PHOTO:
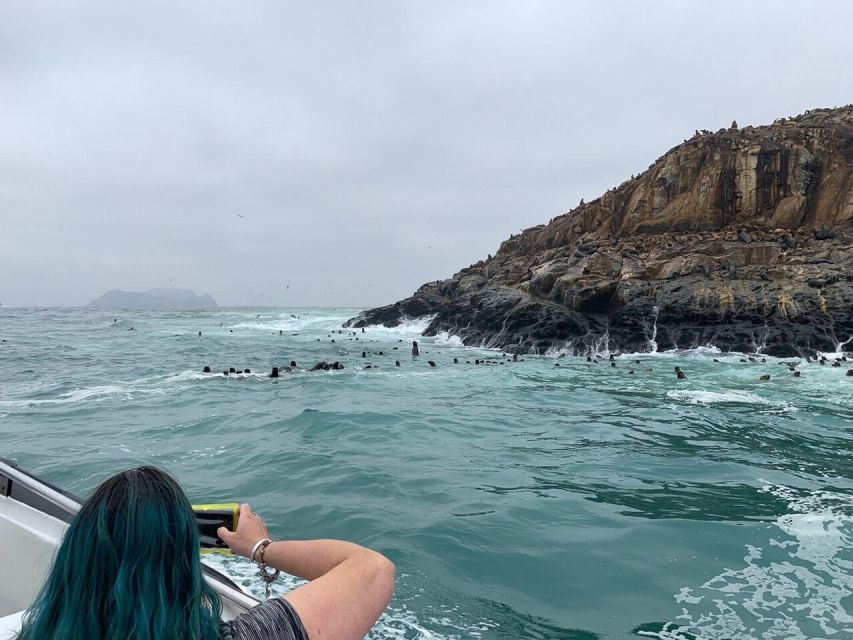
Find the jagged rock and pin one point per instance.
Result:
(669, 247)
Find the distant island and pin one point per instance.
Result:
(154, 299)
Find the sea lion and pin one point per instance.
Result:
(765, 377)
(274, 372)
(247, 371)
(206, 369)
(415, 350)
(431, 363)
(455, 360)
(396, 363)
(797, 374)
(232, 370)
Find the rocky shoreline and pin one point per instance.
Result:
(741, 239)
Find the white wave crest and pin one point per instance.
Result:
(796, 588)
(445, 338)
(714, 397)
(77, 395)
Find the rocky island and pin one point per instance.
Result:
(739, 238)
(154, 300)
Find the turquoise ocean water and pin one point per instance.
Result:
(521, 500)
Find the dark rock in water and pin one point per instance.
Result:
(415, 350)
(797, 374)
(715, 360)
(589, 358)
(680, 375)
(515, 357)
(631, 372)
(232, 370)
(247, 371)
(364, 354)
(612, 364)
(766, 376)
(368, 366)
(206, 369)
(224, 373)
(850, 372)
(431, 363)
(476, 361)
(293, 364)
(668, 250)
(274, 372)
(396, 363)
(455, 360)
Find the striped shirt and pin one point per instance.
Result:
(275, 619)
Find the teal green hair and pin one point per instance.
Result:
(128, 567)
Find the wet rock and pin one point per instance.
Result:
(206, 369)
(274, 373)
(824, 233)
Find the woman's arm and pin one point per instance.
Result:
(349, 587)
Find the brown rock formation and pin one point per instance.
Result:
(739, 238)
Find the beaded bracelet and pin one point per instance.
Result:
(267, 577)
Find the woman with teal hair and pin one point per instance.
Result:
(128, 568)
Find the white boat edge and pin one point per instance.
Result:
(33, 518)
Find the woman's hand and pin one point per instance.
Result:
(250, 529)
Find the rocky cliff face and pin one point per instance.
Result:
(739, 239)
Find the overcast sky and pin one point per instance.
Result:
(355, 150)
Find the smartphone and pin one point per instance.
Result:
(209, 518)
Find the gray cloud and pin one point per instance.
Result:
(369, 147)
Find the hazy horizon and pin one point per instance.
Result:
(341, 155)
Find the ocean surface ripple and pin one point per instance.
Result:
(518, 500)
